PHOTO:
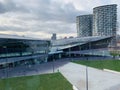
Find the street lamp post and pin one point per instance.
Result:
(89, 43)
(53, 64)
(86, 77)
(5, 48)
(7, 84)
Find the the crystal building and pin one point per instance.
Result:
(17, 51)
(104, 20)
(84, 25)
(80, 47)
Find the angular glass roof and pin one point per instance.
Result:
(6, 36)
(71, 42)
(80, 40)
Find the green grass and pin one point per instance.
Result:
(101, 64)
(38, 82)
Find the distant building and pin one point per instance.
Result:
(104, 20)
(53, 36)
(71, 37)
(65, 37)
(84, 25)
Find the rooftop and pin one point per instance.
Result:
(7, 36)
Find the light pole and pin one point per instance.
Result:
(5, 48)
(89, 45)
(86, 77)
(7, 83)
(53, 64)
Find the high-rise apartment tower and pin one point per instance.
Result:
(105, 20)
(84, 25)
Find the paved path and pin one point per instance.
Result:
(97, 79)
(44, 68)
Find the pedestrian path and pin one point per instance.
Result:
(97, 79)
(45, 68)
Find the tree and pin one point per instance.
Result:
(114, 53)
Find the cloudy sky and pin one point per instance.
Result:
(41, 18)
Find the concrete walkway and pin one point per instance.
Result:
(97, 79)
(44, 68)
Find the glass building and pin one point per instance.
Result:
(81, 46)
(84, 25)
(16, 51)
(104, 20)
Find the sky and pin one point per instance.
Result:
(41, 18)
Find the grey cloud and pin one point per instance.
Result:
(47, 10)
(48, 16)
(12, 28)
(57, 12)
(58, 28)
(10, 6)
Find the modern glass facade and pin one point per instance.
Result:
(104, 20)
(82, 46)
(84, 25)
(15, 51)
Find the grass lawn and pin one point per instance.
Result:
(37, 82)
(101, 64)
